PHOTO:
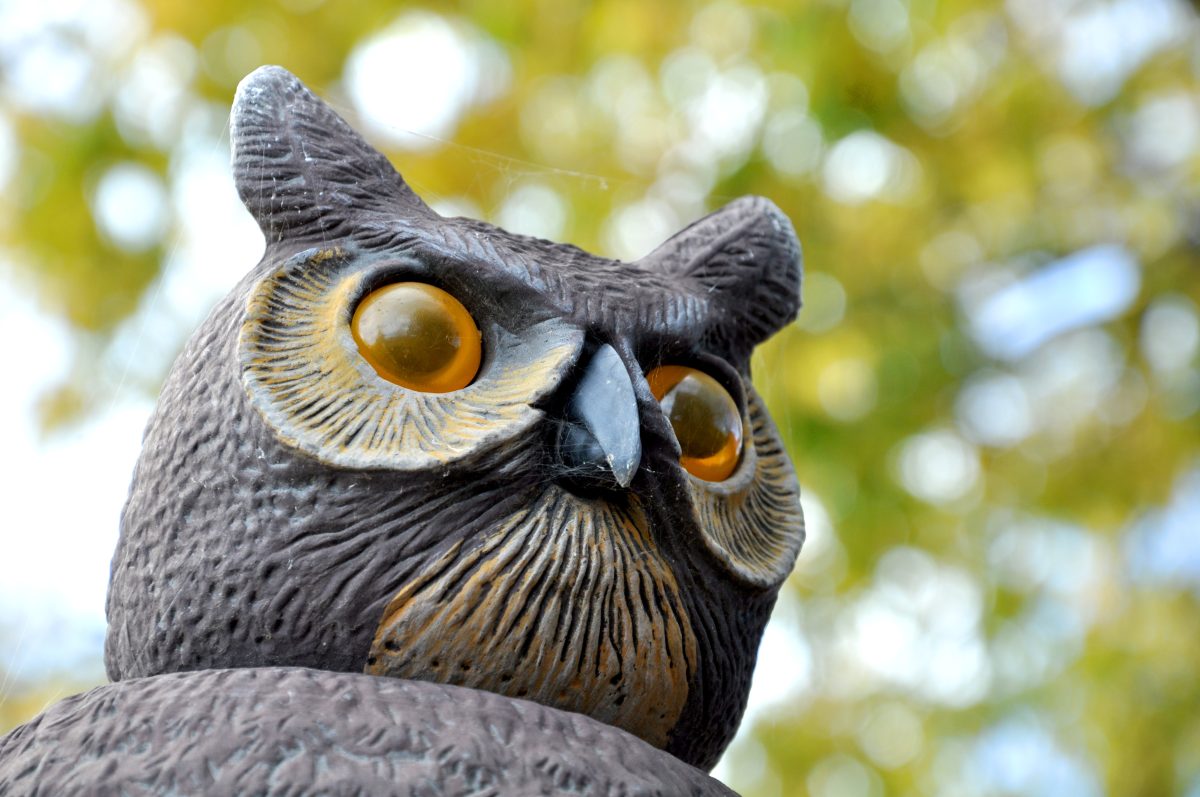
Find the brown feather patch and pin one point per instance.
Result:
(568, 604)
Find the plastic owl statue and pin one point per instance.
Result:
(410, 453)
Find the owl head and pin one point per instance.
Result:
(427, 448)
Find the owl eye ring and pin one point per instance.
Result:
(706, 420)
(418, 336)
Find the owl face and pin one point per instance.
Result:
(427, 448)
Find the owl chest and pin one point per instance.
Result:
(566, 602)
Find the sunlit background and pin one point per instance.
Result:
(991, 396)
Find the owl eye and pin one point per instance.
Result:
(418, 337)
(705, 418)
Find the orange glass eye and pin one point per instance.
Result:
(705, 418)
(418, 337)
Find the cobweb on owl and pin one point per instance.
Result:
(532, 203)
(706, 567)
(783, 669)
(65, 642)
(537, 190)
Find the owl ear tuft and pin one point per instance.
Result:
(744, 261)
(302, 172)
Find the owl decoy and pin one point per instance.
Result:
(426, 448)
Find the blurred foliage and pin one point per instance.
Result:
(972, 614)
(27, 698)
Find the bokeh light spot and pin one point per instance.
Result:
(892, 735)
(993, 409)
(635, 229)
(824, 302)
(1165, 131)
(865, 165)
(822, 562)
(534, 209)
(130, 207)
(847, 388)
(414, 80)
(841, 775)
(793, 143)
(880, 25)
(938, 466)
(153, 93)
(1170, 334)
(8, 151)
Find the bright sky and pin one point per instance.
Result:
(64, 493)
(62, 499)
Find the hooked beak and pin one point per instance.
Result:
(601, 439)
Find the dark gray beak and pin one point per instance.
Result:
(601, 439)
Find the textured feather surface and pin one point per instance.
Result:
(290, 507)
(568, 603)
(299, 168)
(284, 731)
